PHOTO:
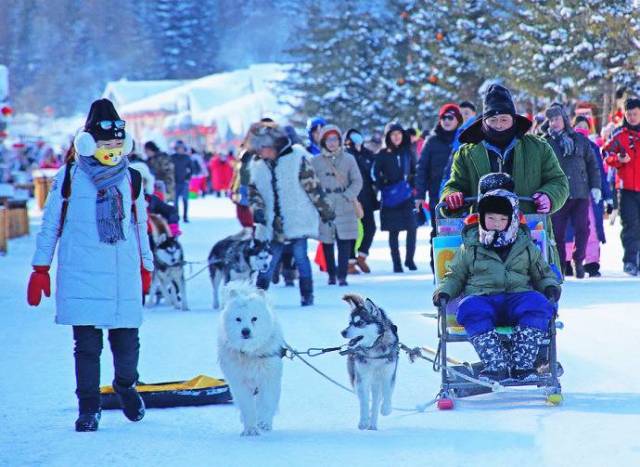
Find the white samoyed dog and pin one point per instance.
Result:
(250, 351)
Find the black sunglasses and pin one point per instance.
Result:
(447, 117)
(111, 124)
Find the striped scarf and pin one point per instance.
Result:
(109, 209)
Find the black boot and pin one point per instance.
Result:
(568, 269)
(130, 401)
(579, 267)
(593, 269)
(397, 263)
(525, 343)
(493, 356)
(411, 266)
(306, 291)
(88, 421)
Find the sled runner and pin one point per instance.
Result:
(463, 380)
(201, 390)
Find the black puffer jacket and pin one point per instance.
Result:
(365, 160)
(392, 164)
(433, 159)
(580, 166)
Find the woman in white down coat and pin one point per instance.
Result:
(103, 246)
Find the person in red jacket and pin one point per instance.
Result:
(623, 154)
(221, 170)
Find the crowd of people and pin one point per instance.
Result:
(570, 173)
(287, 192)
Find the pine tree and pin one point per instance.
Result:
(451, 49)
(566, 49)
(349, 67)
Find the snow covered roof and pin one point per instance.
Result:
(202, 95)
(123, 91)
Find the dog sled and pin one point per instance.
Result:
(460, 379)
(201, 390)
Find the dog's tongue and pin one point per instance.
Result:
(355, 340)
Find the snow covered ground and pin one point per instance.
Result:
(317, 423)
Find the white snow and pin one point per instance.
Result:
(123, 91)
(316, 425)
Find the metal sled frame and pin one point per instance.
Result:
(454, 385)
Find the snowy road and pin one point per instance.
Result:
(599, 423)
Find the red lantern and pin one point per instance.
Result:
(433, 79)
(439, 36)
(6, 111)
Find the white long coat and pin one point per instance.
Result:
(96, 283)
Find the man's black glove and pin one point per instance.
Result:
(553, 293)
(439, 297)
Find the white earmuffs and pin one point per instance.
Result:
(86, 146)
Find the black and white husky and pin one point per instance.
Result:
(236, 257)
(168, 280)
(372, 359)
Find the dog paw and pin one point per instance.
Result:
(372, 427)
(252, 431)
(385, 409)
(265, 426)
(363, 425)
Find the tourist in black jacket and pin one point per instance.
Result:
(182, 170)
(396, 163)
(354, 143)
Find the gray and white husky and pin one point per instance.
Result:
(236, 258)
(372, 359)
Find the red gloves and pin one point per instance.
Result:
(175, 230)
(146, 280)
(543, 203)
(455, 200)
(38, 282)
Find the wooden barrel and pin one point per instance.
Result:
(18, 218)
(42, 185)
(4, 229)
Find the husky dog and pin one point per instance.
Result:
(236, 257)
(168, 277)
(250, 351)
(372, 358)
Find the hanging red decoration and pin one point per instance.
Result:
(6, 110)
(439, 36)
(401, 81)
(433, 79)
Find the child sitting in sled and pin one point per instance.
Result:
(505, 281)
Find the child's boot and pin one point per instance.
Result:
(493, 356)
(525, 345)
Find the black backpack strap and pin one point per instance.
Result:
(136, 184)
(66, 194)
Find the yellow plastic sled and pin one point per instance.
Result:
(201, 390)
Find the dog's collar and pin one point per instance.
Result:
(281, 353)
(361, 352)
